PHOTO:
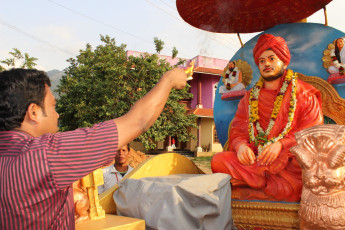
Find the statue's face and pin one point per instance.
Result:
(321, 179)
(270, 66)
(231, 65)
(340, 43)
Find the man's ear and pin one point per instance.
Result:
(33, 112)
(285, 66)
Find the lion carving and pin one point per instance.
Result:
(320, 153)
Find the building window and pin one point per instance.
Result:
(215, 136)
(215, 86)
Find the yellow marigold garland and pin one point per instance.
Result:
(261, 140)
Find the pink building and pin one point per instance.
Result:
(207, 72)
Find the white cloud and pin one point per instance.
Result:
(310, 67)
(313, 39)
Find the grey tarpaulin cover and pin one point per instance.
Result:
(184, 201)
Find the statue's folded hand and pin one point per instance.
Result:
(270, 153)
(245, 155)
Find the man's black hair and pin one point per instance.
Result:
(18, 89)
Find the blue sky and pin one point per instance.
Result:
(55, 30)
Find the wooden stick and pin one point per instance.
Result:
(238, 35)
(325, 12)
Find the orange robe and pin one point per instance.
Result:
(282, 180)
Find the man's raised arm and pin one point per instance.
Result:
(146, 111)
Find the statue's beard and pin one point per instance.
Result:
(231, 69)
(276, 76)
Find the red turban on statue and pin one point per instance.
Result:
(276, 44)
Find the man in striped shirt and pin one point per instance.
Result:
(39, 165)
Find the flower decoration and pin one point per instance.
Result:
(261, 140)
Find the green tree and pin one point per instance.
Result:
(25, 60)
(174, 52)
(159, 45)
(103, 84)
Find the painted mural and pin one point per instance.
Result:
(309, 44)
(334, 61)
(237, 75)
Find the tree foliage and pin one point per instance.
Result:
(159, 45)
(24, 59)
(103, 84)
(174, 52)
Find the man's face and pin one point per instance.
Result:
(121, 156)
(48, 116)
(270, 66)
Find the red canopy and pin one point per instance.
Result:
(245, 16)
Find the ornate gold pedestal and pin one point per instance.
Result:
(265, 215)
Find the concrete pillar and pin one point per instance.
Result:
(199, 149)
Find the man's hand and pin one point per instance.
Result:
(270, 153)
(245, 155)
(177, 78)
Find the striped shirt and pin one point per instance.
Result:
(36, 174)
